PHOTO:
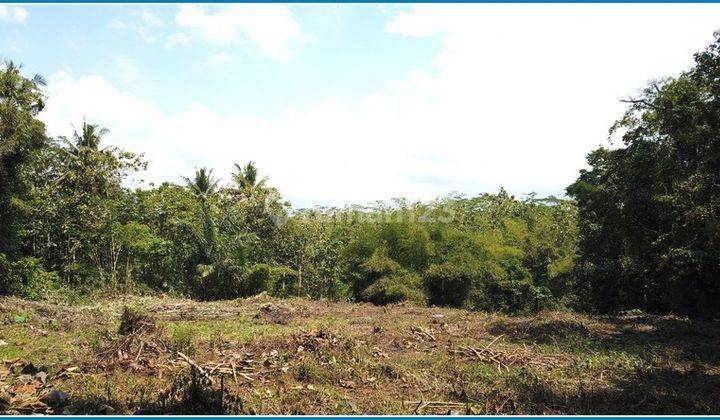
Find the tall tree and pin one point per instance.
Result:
(650, 211)
(21, 134)
(202, 185)
(247, 180)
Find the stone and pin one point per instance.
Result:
(55, 397)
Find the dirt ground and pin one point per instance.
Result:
(263, 355)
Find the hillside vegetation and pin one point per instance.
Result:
(217, 296)
(642, 230)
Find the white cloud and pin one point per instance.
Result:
(517, 97)
(13, 13)
(145, 24)
(127, 69)
(219, 59)
(270, 27)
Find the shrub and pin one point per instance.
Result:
(26, 278)
(284, 281)
(380, 264)
(258, 279)
(182, 339)
(448, 284)
(516, 296)
(395, 289)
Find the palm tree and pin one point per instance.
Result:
(83, 168)
(23, 93)
(203, 184)
(247, 180)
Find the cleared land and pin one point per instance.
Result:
(268, 356)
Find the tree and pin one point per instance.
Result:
(202, 185)
(78, 200)
(21, 135)
(247, 180)
(649, 212)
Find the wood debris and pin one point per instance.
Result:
(25, 389)
(450, 406)
(504, 359)
(423, 332)
(235, 367)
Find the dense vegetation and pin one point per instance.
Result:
(649, 212)
(643, 230)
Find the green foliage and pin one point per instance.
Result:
(448, 284)
(284, 281)
(21, 136)
(395, 288)
(20, 317)
(183, 338)
(649, 211)
(491, 252)
(258, 279)
(26, 278)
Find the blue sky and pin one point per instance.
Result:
(129, 47)
(344, 104)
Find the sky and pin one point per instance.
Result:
(348, 104)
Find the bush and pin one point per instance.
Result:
(183, 339)
(395, 289)
(6, 278)
(26, 278)
(284, 281)
(257, 280)
(448, 284)
(515, 296)
(219, 281)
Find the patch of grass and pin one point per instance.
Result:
(568, 363)
(20, 317)
(41, 347)
(183, 338)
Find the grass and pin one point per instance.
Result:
(331, 358)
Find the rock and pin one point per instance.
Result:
(106, 409)
(436, 318)
(55, 397)
(41, 376)
(268, 307)
(29, 369)
(3, 343)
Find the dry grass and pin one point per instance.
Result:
(267, 356)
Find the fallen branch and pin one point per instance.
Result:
(234, 373)
(197, 367)
(421, 405)
(423, 331)
(491, 343)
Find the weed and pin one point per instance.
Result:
(192, 393)
(20, 317)
(183, 338)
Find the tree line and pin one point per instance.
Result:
(640, 229)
